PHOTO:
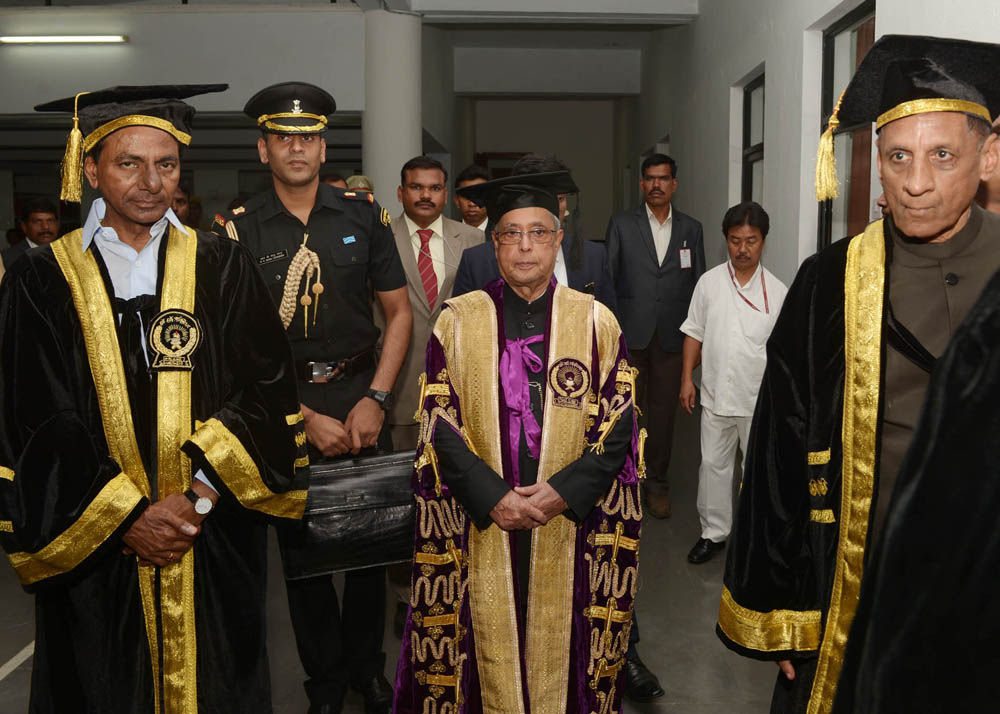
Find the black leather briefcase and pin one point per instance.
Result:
(360, 513)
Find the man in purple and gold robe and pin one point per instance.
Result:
(528, 516)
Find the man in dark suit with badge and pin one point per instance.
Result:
(580, 264)
(656, 256)
(319, 248)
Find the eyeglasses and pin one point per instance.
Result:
(537, 235)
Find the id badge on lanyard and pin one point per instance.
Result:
(685, 257)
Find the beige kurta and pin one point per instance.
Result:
(931, 286)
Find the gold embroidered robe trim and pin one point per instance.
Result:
(468, 333)
(176, 607)
(864, 287)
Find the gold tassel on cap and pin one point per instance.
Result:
(72, 163)
(826, 163)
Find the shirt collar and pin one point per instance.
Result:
(437, 226)
(326, 197)
(670, 216)
(482, 226)
(31, 243)
(98, 209)
(750, 282)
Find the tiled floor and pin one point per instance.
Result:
(677, 606)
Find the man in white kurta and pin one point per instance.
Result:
(732, 311)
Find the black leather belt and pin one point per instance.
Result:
(321, 372)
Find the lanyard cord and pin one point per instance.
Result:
(763, 285)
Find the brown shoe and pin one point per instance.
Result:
(658, 505)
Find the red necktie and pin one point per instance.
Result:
(426, 266)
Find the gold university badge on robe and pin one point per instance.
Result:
(174, 336)
(569, 380)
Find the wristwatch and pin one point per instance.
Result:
(384, 399)
(202, 504)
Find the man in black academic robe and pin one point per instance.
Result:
(848, 363)
(924, 638)
(144, 442)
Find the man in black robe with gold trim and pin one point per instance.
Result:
(850, 356)
(150, 428)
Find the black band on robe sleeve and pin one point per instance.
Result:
(476, 486)
(582, 483)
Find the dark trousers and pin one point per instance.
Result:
(633, 637)
(659, 386)
(338, 639)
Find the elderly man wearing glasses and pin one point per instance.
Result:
(526, 549)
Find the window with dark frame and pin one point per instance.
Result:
(753, 141)
(845, 43)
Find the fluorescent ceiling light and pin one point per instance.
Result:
(61, 39)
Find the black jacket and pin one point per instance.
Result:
(653, 298)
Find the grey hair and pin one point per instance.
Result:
(555, 220)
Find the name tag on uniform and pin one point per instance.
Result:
(271, 257)
(685, 258)
(348, 240)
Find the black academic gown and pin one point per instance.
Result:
(925, 636)
(92, 648)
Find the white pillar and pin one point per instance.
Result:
(391, 127)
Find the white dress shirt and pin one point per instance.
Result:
(661, 233)
(482, 226)
(733, 335)
(436, 245)
(132, 272)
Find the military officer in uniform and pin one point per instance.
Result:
(319, 249)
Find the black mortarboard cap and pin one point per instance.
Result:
(503, 195)
(903, 75)
(291, 108)
(97, 114)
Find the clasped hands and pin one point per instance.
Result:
(333, 437)
(527, 507)
(166, 529)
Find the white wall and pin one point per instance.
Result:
(578, 132)
(977, 20)
(525, 70)
(688, 77)
(440, 111)
(249, 49)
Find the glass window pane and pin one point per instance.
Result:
(757, 116)
(757, 178)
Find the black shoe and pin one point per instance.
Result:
(399, 619)
(704, 550)
(377, 693)
(324, 709)
(641, 685)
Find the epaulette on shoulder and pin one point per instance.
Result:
(370, 197)
(359, 196)
(249, 206)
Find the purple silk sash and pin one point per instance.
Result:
(516, 361)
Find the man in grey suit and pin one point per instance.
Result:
(430, 247)
(656, 255)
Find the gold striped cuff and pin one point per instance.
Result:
(822, 516)
(774, 631)
(818, 458)
(237, 469)
(99, 520)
